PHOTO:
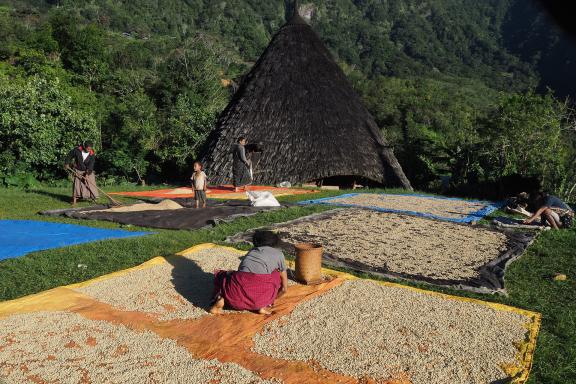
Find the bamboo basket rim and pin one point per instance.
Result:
(308, 246)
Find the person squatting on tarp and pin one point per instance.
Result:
(200, 185)
(552, 211)
(241, 174)
(260, 279)
(81, 161)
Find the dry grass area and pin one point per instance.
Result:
(401, 243)
(364, 329)
(181, 289)
(455, 209)
(60, 347)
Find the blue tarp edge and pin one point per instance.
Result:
(474, 216)
(66, 236)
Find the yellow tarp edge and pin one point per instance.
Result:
(525, 357)
(55, 299)
(518, 372)
(204, 246)
(158, 260)
(16, 305)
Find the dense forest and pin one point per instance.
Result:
(471, 90)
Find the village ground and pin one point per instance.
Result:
(529, 280)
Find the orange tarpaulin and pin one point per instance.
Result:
(229, 337)
(217, 192)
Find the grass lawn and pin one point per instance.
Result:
(528, 280)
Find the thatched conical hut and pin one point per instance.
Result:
(309, 123)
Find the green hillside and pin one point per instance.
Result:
(459, 86)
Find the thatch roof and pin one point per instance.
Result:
(297, 104)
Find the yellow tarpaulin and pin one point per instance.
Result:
(228, 338)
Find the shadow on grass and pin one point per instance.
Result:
(56, 196)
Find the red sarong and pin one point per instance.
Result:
(245, 291)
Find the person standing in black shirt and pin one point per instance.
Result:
(81, 161)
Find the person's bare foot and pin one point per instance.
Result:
(264, 311)
(216, 309)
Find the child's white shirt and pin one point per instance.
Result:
(199, 181)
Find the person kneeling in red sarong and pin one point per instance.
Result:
(260, 279)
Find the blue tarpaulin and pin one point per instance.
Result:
(19, 237)
(488, 208)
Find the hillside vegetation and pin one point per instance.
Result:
(460, 87)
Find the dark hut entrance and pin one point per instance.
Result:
(346, 182)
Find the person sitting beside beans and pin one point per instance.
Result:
(260, 279)
(552, 211)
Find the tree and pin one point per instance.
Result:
(39, 126)
(82, 49)
(131, 135)
(192, 96)
(527, 138)
(186, 130)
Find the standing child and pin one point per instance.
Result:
(200, 184)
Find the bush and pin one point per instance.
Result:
(38, 127)
(20, 180)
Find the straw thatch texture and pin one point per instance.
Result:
(297, 104)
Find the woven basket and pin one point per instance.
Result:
(308, 263)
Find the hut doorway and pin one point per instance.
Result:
(346, 182)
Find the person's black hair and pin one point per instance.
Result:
(241, 138)
(88, 144)
(522, 198)
(536, 200)
(199, 163)
(265, 239)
